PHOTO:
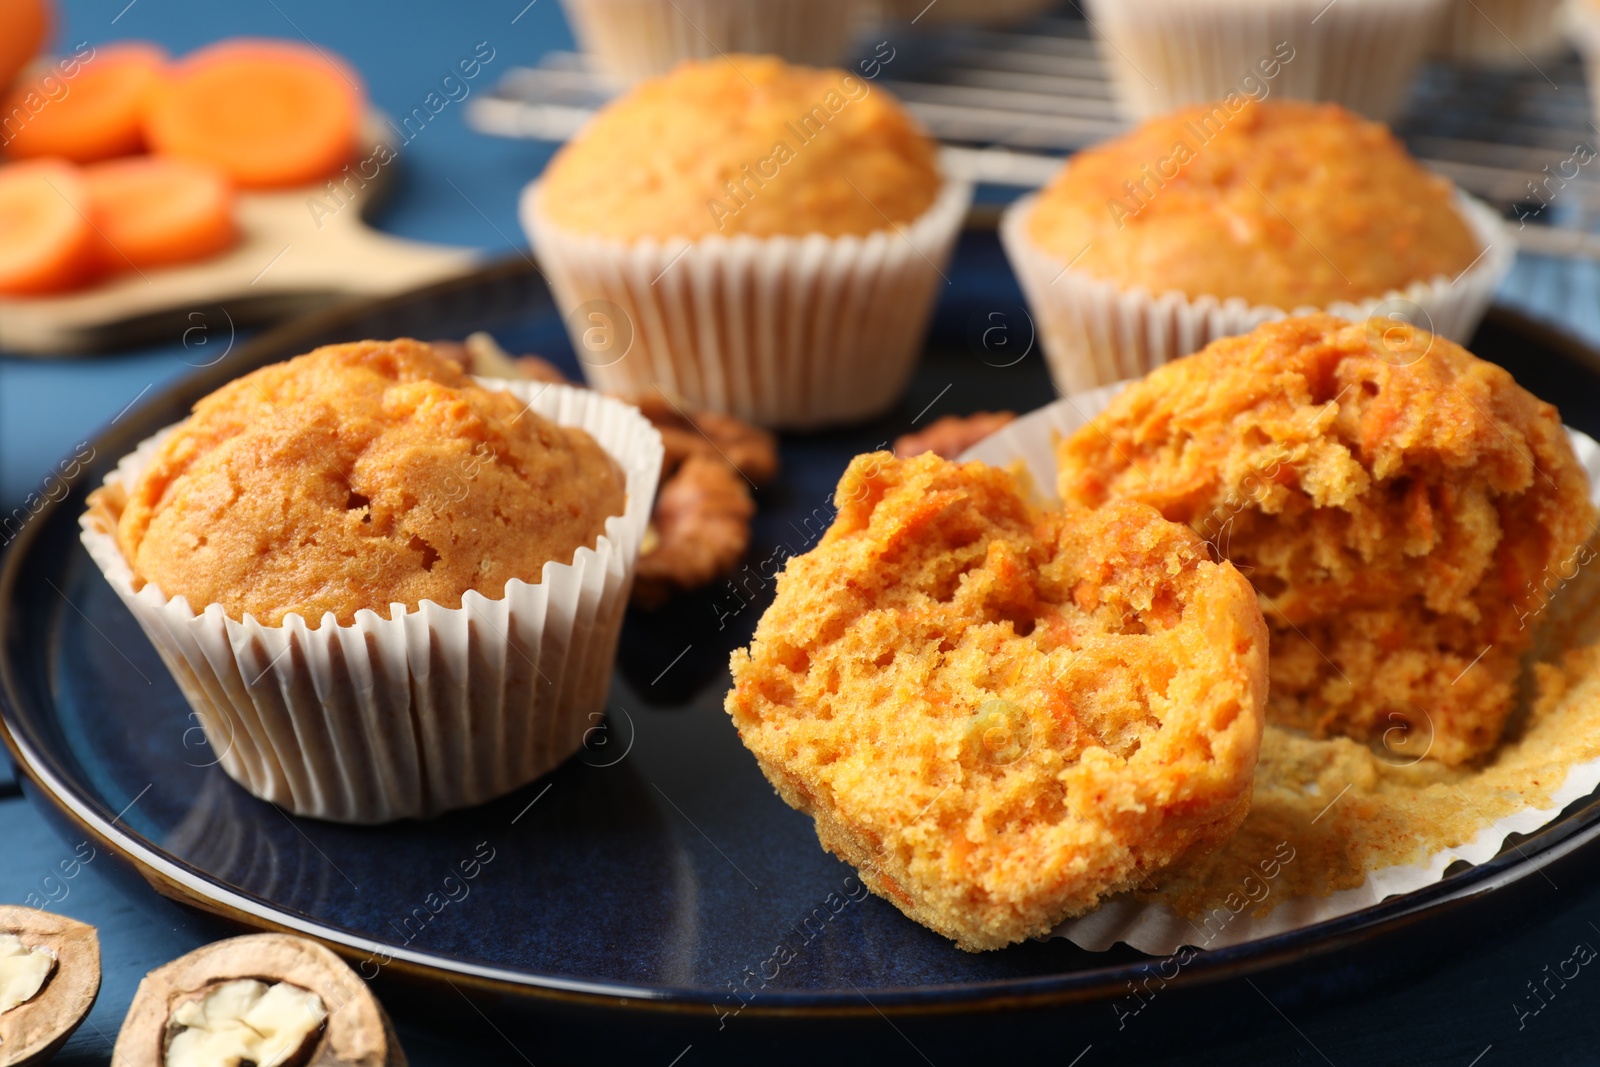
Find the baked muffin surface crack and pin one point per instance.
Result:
(358, 476)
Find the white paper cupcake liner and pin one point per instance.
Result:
(1155, 929)
(1500, 31)
(790, 332)
(630, 40)
(432, 708)
(1093, 332)
(982, 12)
(1582, 20)
(1363, 54)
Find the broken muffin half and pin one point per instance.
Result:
(1403, 509)
(1001, 715)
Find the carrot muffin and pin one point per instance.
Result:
(1230, 214)
(759, 238)
(359, 476)
(386, 590)
(1289, 204)
(1400, 506)
(746, 145)
(1001, 716)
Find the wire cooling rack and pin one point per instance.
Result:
(1010, 104)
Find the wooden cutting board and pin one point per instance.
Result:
(298, 249)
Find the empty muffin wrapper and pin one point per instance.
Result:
(1095, 332)
(792, 332)
(1151, 926)
(425, 711)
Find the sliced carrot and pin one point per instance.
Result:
(153, 210)
(96, 114)
(269, 114)
(46, 241)
(24, 24)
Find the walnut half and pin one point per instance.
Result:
(271, 1000)
(701, 530)
(49, 979)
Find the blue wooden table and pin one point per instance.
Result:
(459, 187)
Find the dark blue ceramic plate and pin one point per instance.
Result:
(654, 887)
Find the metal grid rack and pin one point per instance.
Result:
(1009, 104)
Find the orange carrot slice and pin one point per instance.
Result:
(95, 114)
(153, 211)
(46, 241)
(269, 114)
(24, 24)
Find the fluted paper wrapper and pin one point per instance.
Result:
(981, 12)
(1154, 928)
(1095, 332)
(1582, 19)
(1500, 32)
(630, 40)
(1363, 54)
(432, 708)
(787, 332)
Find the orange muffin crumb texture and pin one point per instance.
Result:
(1341, 809)
(1400, 505)
(1001, 715)
(744, 145)
(359, 476)
(1283, 204)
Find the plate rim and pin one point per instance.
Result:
(196, 888)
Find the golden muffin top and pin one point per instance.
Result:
(744, 145)
(358, 476)
(1399, 504)
(1284, 204)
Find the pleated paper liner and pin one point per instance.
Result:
(1163, 54)
(1311, 850)
(1095, 332)
(630, 40)
(429, 709)
(985, 13)
(790, 332)
(1582, 19)
(1500, 32)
